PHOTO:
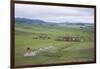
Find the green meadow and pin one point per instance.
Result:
(65, 52)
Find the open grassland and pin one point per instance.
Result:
(66, 51)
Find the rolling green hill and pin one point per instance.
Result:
(66, 51)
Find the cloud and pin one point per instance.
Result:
(55, 13)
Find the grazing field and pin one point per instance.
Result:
(44, 36)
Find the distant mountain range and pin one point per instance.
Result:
(41, 22)
(26, 20)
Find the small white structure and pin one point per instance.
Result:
(29, 52)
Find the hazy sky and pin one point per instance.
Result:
(55, 13)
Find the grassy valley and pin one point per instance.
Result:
(27, 34)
